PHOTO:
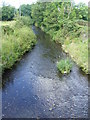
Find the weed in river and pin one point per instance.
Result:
(64, 66)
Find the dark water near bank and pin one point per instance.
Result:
(35, 89)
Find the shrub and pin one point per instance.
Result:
(23, 21)
(7, 13)
(64, 66)
(7, 30)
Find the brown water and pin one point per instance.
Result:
(35, 89)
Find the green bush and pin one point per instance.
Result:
(64, 66)
(7, 13)
(25, 10)
(7, 30)
(23, 20)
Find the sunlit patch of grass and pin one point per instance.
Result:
(76, 44)
(9, 23)
(79, 53)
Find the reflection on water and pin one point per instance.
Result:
(34, 88)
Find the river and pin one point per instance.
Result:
(35, 89)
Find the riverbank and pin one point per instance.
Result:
(77, 48)
(74, 42)
(16, 40)
(79, 54)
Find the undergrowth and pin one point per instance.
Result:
(16, 41)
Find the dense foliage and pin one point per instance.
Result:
(25, 10)
(54, 16)
(42, 12)
(16, 40)
(8, 13)
(81, 11)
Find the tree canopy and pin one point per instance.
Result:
(8, 13)
(25, 10)
(44, 13)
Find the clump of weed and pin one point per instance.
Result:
(64, 66)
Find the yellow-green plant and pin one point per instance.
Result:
(64, 66)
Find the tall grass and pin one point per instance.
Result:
(15, 43)
(79, 53)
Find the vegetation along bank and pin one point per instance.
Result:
(67, 24)
(17, 38)
(64, 21)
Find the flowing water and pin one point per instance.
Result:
(35, 89)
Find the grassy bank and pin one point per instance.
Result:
(79, 54)
(16, 40)
(76, 45)
(74, 40)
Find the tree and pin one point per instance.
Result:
(37, 13)
(25, 10)
(8, 13)
(81, 11)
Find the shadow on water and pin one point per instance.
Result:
(34, 88)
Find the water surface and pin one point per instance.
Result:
(35, 89)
